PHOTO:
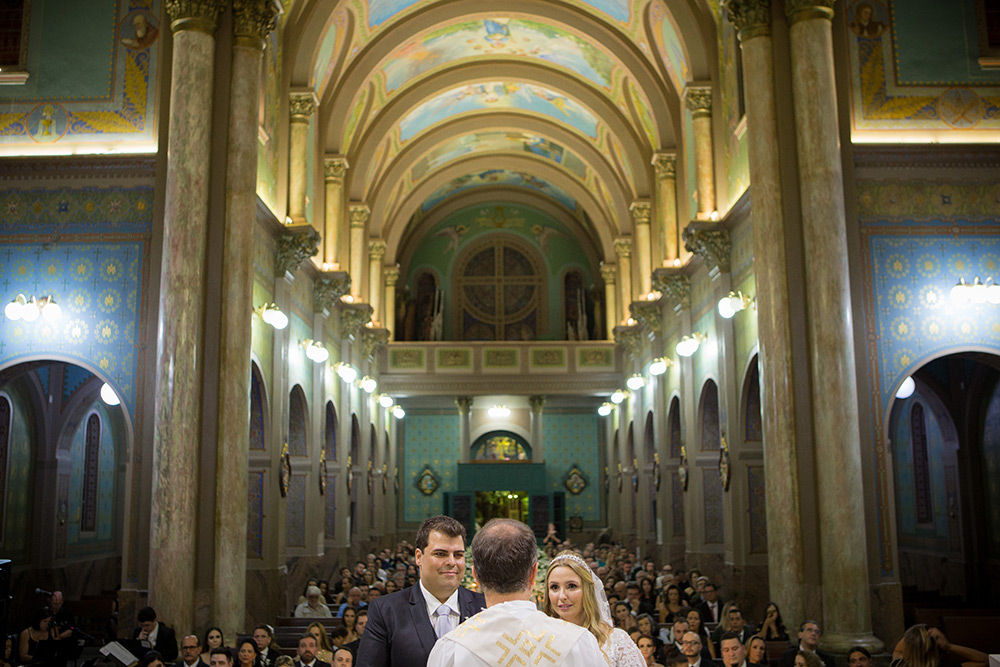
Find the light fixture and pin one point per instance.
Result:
(398, 412)
(13, 309)
(605, 409)
(617, 396)
(347, 372)
(288, 220)
(369, 384)
(653, 296)
(108, 395)
(660, 365)
(315, 350)
(29, 308)
(714, 216)
(907, 388)
(499, 412)
(960, 292)
(977, 291)
(630, 322)
(733, 303)
(635, 382)
(992, 292)
(690, 344)
(272, 315)
(349, 298)
(385, 400)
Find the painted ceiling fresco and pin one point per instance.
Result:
(667, 36)
(498, 142)
(497, 178)
(380, 11)
(498, 95)
(491, 37)
(324, 62)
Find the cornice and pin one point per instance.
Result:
(95, 168)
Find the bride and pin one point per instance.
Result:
(574, 594)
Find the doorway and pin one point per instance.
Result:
(501, 505)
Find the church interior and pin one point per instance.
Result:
(719, 280)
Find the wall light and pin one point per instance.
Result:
(977, 292)
(907, 388)
(346, 372)
(690, 344)
(385, 400)
(398, 412)
(29, 308)
(272, 315)
(660, 365)
(499, 412)
(369, 384)
(617, 396)
(315, 350)
(108, 395)
(654, 295)
(635, 382)
(733, 303)
(605, 409)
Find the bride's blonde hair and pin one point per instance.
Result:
(591, 613)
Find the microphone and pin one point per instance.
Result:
(42, 591)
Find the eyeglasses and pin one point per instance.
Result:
(689, 643)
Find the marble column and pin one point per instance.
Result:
(180, 345)
(302, 105)
(359, 218)
(665, 165)
(537, 403)
(777, 379)
(391, 276)
(623, 248)
(641, 214)
(252, 21)
(608, 273)
(464, 404)
(334, 169)
(698, 100)
(376, 251)
(836, 431)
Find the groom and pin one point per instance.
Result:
(512, 630)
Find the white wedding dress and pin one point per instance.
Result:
(621, 651)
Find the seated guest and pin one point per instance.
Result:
(221, 657)
(647, 647)
(773, 628)
(920, 647)
(310, 582)
(343, 657)
(307, 653)
(859, 656)
(324, 652)
(190, 653)
(350, 622)
(359, 628)
(263, 636)
(35, 642)
(757, 651)
(623, 616)
(670, 603)
(698, 627)
(338, 636)
(213, 640)
(312, 607)
(157, 636)
(151, 659)
(353, 600)
(733, 652)
(733, 621)
(692, 650)
(808, 643)
(246, 653)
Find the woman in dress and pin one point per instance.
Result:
(324, 652)
(350, 618)
(34, 637)
(696, 626)
(624, 618)
(247, 654)
(574, 594)
(647, 596)
(773, 628)
(756, 650)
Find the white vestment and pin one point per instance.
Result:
(513, 634)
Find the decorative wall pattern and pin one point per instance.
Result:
(295, 526)
(712, 499)
(757, 510)
(991, 471)
(677, 504)
(107, 466)
(571, 438)
(428, 440)
(255, 514)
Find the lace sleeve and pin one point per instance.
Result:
(622, 651)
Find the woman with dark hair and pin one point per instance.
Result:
(920, 645)
(670, 603)
(247, 654)
(623, 616)
(696, 625)
(213, 640)
(32, 644)
(647, 596)
(350, 619)
(151, 659)
(773, 628)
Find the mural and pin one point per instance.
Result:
(498, 37)
(324, 63)
(103, 95)
(642, 110)
(430, 440)
(498, 95)
(498, 141)
(380, 11)
(267, 131)
(496, 178)
(666, 34)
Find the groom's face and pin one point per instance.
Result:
(442, 564)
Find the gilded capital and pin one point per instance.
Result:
(536, 403)
(698, 100)
(802, 10)
(647, 313)
(464, 404)
(253, 20)
(673, 285)
(630, 338)
(711, 244)
(334, 168)
(373, 340)
(752, 18)
(623, 246)
(301, 105)
(293, 247)
(391, 275)
(329, 289)
(353, 316)
(376, 250)
(199, 15)
(641, 212)
(609, 272)
(665, 165)
(359, 214)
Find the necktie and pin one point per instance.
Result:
(442, 625)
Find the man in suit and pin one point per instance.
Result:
(735, 622)
(221, 656)
(401, 628)
(692, 649)
(154, 635)
(733, 652)
(808, 641)
(710, 605)
(307, 653)
(190, 653)
(263, 637)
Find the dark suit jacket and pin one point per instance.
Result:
(706, 615)
(166, 642)
(181, 663)
(399, 632)
(318, 663)
(788, 658)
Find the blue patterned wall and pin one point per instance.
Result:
(105, 486)
(255, 514)
(572, 439)
(991, 471)
(429, 439)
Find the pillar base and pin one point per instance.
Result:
(841, 642)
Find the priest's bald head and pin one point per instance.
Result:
(505, 560)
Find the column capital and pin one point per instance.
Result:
(698, 100)
(647, 313)
(335, 167)
(802, 10)
(391, 275)
(752, 18)
(198, 15)
(359, 214)
(301, 105)
(609, 272)
(376, 249)
(641, 212)
(623, 246)
(710, 242)
(630, 338)
(253, 20)
(372, 340)
(674, 285)
(295, 246)
(329, 289)
(536, 403)
(353, 316)
(665, 165)
(464, 404)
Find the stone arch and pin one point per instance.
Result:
(298, 422)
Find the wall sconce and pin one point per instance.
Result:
(272, 315)
(369, 384)
(499, 412)
(29, 308)
(346, 372)
(617, 396)
(653, 296)
(690, 344)
(605, 409)
(635, 382)
(977, 292)
(108, 395)
(733, 303)
(315, 350)
(385, 400)
(350, 298)
(398, 412)
(907, 388)
(660, 365)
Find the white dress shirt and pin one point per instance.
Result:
(433, 603)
